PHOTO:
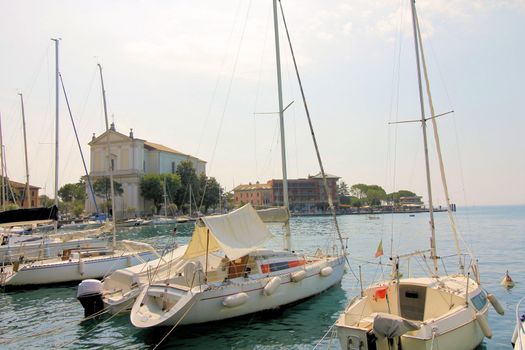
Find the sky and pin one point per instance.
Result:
(200, 77)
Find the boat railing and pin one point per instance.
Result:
(520, 331)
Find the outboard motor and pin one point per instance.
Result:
(89, 293)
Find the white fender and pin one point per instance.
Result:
(484, 325)
(495, 304)
(81, 267)
(298, 275)
(235, 300)
(515, 335)
(326, 271)
(272, 286)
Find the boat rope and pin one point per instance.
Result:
(175, 325)
(330, 330)
(92, 329)
(433, 338)
(78, 143)
(314, 139)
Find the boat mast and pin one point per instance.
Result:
(2, 165)
(440, 156)
(26, 194)
(110, 167)
(425, 142)
(165, 200)
(57, 92)
(190, 199)
(287, 237)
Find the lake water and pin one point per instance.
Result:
(48, 317)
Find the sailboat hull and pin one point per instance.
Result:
(196, 306)
(439, 308)
(69, 271)
(49, 248)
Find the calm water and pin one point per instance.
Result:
(48, 317)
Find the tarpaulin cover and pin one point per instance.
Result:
(237, 233)
(390, 326)
(28, 216)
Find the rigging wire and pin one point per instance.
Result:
(327, 190)
(218, 79)
(227, 100)
(78, 143)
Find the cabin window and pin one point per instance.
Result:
(173, 167)
(479, 300)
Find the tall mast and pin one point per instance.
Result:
(425, 142)
(57, 91)
(190, 199)
(113, 213)
(287, 238)
(440, 156)
(2, 178)
(26, 194)
(165, 199)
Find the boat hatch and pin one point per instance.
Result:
(412, 301)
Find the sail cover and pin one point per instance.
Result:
(237, 233)
(278, 214)
(28, 216)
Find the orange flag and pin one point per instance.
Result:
(379, 250)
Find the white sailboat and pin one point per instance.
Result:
(518, 337)
(164, 220)
(226, 273)
(77, 264)
(117, 292)
(439, 311)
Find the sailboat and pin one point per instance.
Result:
(518, 337)
(438, 311)
(226, 271)
(164, 220)
(78, 264)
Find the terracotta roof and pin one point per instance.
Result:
(21, 185)
(163, 148)
(328, 176)
(251, 187)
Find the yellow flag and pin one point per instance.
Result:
(379, 250)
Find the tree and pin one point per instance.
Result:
(45, 201)
(188, 177)
(343, 193)
(71, 192)
(395, 196)
(358, 190)
(211, 192)
(151, 189)
(368, 194)
(102, 188)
